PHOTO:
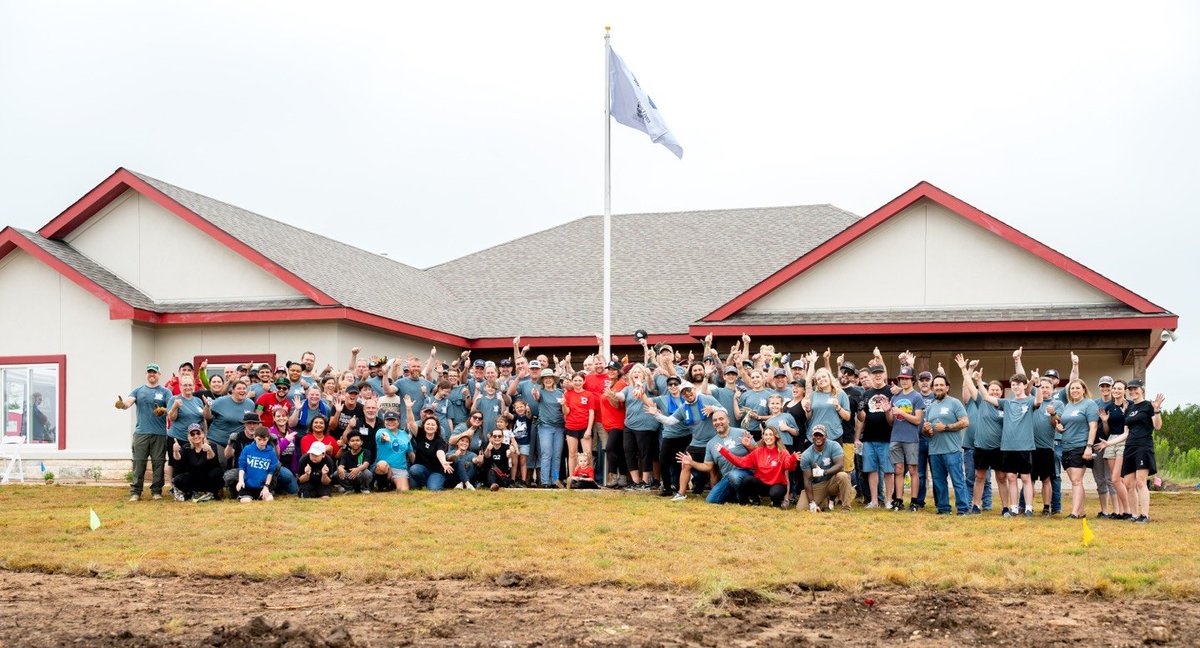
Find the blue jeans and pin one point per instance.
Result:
(1056, 479)
(923, 462)
(423, 477)
(464, 472)
(550, 447)
(725, 490)
(968, 463)
(949, 465)
(287, 482)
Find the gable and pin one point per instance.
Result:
(141, 242)
(919, 250)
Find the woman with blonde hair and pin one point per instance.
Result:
(1077, 421)
(641, 428)
(827, 404)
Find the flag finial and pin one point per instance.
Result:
(607, 28)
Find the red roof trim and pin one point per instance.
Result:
(919, 328)
(61, 361)
(116, 184)
(959, 207)
(11, 239)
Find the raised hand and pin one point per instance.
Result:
(961, 361)
(708, 338)
(812, 357)
(877, 354)
(296, 402)
(1158, 401)
(826, 354)
(1074, 359)
(408, 401)
(841, 359)
(355, 350)
(972, 364)
(433, 352)
(1017, 353)
(120, 404)
(746, 341)
(517, 341)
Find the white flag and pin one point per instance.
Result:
(630, 105)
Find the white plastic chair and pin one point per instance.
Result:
(10, 452)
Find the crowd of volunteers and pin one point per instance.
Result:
(744, 428)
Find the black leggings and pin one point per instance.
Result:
(199, 481)
(640, 450)
(667, 462)
(614, 453)
(751, 489)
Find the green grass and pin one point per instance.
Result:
(597, 538)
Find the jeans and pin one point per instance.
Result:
(285, 482)
(154, 448)
(464, 471)
(423, 477)
(1056, 479)
(968, 464)
(949, 465)
(923, 463)
(726, 490)
(550, 449)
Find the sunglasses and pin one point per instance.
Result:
(497, 436)
(476, 417)
(196, 433)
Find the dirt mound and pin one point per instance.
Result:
(261, 633)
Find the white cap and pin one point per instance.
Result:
(317, 448)
(686, 385)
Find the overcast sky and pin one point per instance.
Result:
(433, 130)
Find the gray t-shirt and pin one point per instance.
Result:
(146, 399)
(636, 417)
(731, 442)
(1017, 433)
(227, 418)
(904, 431)
(946, 411)
(824, 459)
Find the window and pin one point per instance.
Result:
(33, 390)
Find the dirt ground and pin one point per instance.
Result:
(56, 610)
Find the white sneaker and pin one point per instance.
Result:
(872, 505)
(178, 495)
(135, 498)
(830, 505)
(156, 496)
(679, 497)
(470, 486)
(458, 485)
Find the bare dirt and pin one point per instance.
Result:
(59, 610)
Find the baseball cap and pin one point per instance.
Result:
(479, 363)
(282, 382)
(152, 367)
(849, 366)
(507, 362)
(877, 369)
(188, 364)
(731, 370)
(819, 429)
(194, 427)
(280, 369)
(1105, 380)
(675, 379)
(535, 364)
(614, 365)
(686, 385)
(925, 375)
(1051, 373)
(391, 416)
(428, 407)
(905, 372)
(779, 372)
(317, 448)
(251, 417)
(1136, 382)
(627, 367)
(797, 364)
(353, 389)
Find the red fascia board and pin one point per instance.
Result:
(61, 361)
(926, 328)
(303, 315)
(10, 240)
(577, 341)
(121, 180)
(899, 204)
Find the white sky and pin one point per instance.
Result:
(433, 131)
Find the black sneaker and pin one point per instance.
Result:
(666, 492)
(1142, 519)
(1006, 514)
(913, 508)
(1102, 515)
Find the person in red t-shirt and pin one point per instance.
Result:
(579, 413)
(266, 404)
(584, 476)
(317, 433)
(771, 463)
(612, 420)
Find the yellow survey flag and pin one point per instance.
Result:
(1088, 536)
(93, 519)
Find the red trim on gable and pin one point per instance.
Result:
(577, 341)
(11, 239)
(121, 179)
(959, 207)
(922, 328)
(61, 361)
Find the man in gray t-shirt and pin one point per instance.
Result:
(738, 442)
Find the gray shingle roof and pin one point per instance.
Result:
(668, 269)
(940, 315)
(409, 295)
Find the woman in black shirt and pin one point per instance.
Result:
(1142, 418)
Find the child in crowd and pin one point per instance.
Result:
(354, 466)
(316, 473)
(463, 461)
(522, 423)
(256, 467)
(584, 476)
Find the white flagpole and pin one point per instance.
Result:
(607, 201)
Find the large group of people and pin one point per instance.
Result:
(814, 432)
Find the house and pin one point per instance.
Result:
(96, 294)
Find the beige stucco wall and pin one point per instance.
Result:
(381, 343)
(142, 243)
(920, 251)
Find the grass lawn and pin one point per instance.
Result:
(598, 538)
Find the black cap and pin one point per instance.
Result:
(507, 362)
(391, 416)
(1136, 382)
(877, 369)
(353, 389)
(614, 365)
(849, 366)
(1051, 373)
(677, 379)
(251, 417)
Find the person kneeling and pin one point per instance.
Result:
(316, 473)
(584, 476)
(496, 461)
(198, 471)
(823, 466)
(256, 467)
(354, 467)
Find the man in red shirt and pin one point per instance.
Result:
(266, 404)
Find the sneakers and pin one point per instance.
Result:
(679, 497)
(1139, 519)
(1102, 516)
(470, 486)
(897, 505)
(135, 497)
(1076, 517)
(178, 495)
(666, 493)
(975, 510)
(1006, 514)
(872, 505)
(913, 508)
(1046, 511)
(156, 496)
(1028, 513)
(459, 485)
(203, 497)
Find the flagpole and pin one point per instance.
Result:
(606, 331)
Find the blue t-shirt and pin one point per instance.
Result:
(824, 459)
(780, 421)
(991, 423)
(725, 397)
(191, 410)
(257, 464)
(731, 442)
(698, 424)
(1017, 433)
(754, 401)
(146, 399)
(1043, 425)
(824, 413)
(910, 403)
(491, 408)
(412, 389)
(968, 439)
(459, 410)
(525, 393)
(227, 418)
(550, 407)
(946, 411)
(394, 452)
(636, 417)
(1075, 418)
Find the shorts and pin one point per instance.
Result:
(523, 449)
(576, 434)
(1114, 451)
(904, 452)
(1073, 458)
(986, 459)
(252, 493)
(875, 457)
(1137, 458)
(397, 473)
(1018, 462)
(1043, 464)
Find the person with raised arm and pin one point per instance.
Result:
(1142, 418)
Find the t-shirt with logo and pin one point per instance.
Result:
(991, 425)
(1075, 419)
(1139, 418)
(811, 458)
(1043, 425)
(876, 429)
(824, 413)
(425, 451)
(636, 417)
(227, 418)
(395, 450)
(947, 412)
(146, 400)
(731, 442)
(755, 401)
(491, 407)
(1017, 433)
(910, 403)
(257, 463)
(191, 411)
(339, 428)
(579, 403)
(497, 458)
